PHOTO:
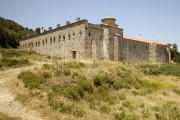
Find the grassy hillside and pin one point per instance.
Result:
(11, 32)
(102, 90)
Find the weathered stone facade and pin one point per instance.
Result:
(105, 41)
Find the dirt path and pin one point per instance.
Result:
(7, 103)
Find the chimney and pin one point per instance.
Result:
(49, 28)
(58, 25)
(78, 19)
(67, 22)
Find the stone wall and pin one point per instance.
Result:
(94, 42)
(137, 51)
(62, 42)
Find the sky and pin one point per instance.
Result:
(157, 20)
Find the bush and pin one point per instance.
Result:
(128, 104)
(164, 69)
(74, 65)
(46, 75)
(123, 116)
(122, 96)
(168, 111)
(31, 80)
(78, 110)
(105, 108)
(71, 93)
(9, 62)
(67, 72)
(47, 66)
(57, 89)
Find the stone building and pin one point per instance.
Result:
(104, 41)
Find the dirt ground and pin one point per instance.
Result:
(8, 105)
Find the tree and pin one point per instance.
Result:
(38, 30)
(175, 55)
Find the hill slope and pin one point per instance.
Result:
(11, 32)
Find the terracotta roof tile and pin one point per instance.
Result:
(142, 40)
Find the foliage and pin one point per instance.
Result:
(105, 108)
(10, 62)
(123, 116)
(31, 80)
(11, 33)
(168, 111)
(175, 55)
(164, 69)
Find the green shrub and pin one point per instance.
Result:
(67, 72)
(85, 86)
(123, 116)
(57, 89)
(164, 69)
(105, 108)
(31, 80)
(122, 96)
(11, 62)
(47, 66)
(128, 104)
(71, 93)
(168, 111)
(46, 75)
(78, 110)
(74, 65)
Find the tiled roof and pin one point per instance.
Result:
(142, 40)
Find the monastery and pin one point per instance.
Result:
(86, 41)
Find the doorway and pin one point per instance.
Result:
(73, 54)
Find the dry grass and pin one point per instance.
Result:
(136, 98)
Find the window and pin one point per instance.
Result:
(69, 36)
(51, 40)
(36, 44)
(54, 39)
(146, 47)
(43, 42)
(46, 40)
(100, 37)
(80, 32)
(59, 37)
(64, 38)
(89, 33)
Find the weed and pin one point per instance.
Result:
(46, 75)
(123, 116)
(74, 65)
(122, 96)
(168, 111)
(71, 93)
(105, 108)
(67, 72)
(47, 66)
(31, 80)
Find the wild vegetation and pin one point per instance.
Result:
(11, 32)
(11, 58)
(104, 90)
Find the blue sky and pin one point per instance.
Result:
(157, 20)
